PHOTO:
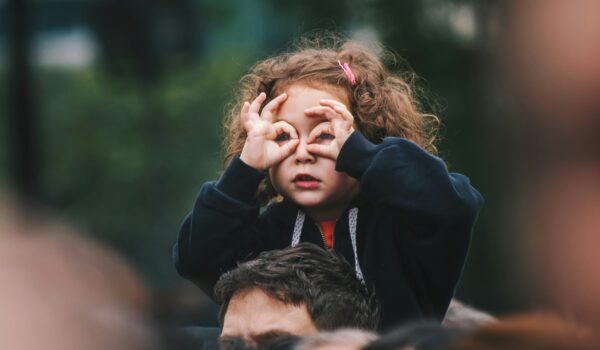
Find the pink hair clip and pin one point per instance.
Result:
(348, 72)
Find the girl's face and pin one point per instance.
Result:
(308, 180)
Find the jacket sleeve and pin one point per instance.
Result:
(436, 210)
(222, 228)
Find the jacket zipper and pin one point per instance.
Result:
(323, 235)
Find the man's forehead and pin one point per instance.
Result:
(253, 312)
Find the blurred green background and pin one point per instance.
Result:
(126, 100)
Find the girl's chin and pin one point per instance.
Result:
(310, 200)
(307, 203)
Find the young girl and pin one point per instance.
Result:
(338, 147)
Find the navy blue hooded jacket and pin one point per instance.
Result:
(413, 226)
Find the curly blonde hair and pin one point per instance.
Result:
(382, 102)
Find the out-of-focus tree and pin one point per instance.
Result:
(140, 38)
(23, 143)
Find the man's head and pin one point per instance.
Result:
(297, 290)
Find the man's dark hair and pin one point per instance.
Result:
(305, 274)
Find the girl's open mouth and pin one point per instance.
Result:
(305, 181)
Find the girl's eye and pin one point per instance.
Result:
(325, 136)
(283, 137)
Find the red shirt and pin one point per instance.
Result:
(327, 231)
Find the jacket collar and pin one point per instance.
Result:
(286, 210)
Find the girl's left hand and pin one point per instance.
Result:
(340, 125)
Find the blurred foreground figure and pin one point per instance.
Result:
(552, 54)
(61, 291)
(418, 335)
(527, 332)
(465, 317)
(565, 227)
(343, 339)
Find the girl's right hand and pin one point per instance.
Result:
(267, 143)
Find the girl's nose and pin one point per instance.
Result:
(302, 155)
